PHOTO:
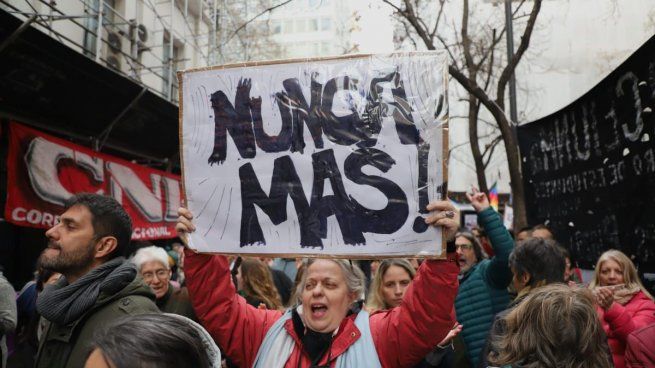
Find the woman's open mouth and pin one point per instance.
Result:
(319, 310)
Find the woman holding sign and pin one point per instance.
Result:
(328, 328)
(624, 305)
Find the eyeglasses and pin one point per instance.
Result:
(464, 246)
(160, 274)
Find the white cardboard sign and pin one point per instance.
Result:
(329, 157)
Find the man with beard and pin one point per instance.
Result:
(87, 247)
(483, 282)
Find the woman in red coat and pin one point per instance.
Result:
(328, 328)
(624, 305)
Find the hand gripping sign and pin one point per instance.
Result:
(333, 157)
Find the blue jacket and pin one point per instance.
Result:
(483, 288)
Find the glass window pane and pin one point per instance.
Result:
(313, 25)
(288, 26)
(301, 25)
(326, 24)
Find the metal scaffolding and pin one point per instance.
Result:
(148, 42)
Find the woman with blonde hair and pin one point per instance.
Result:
(388, 288)
(554, 326)
(392, 278)
(623, 304)
(255, 284)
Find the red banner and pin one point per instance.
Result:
(44, 171)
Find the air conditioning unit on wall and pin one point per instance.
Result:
(114, 50)
(139, 34)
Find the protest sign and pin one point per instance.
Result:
(329, 157)
(44, 171)
(589, 169)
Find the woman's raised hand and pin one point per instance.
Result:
(184, 222)
(478, 199)
(446, 215)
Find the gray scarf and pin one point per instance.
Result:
(63, 303)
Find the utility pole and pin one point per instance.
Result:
(512, 81)
(510, 55)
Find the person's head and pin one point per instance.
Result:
(568, 267)
(148, 340)
(152, 264)
(614, 268)
(554, 326)
(327, 290)
(536, 262)
(92, 230)
(390, 283)
(255, 280)
(542, 231)
(469, 250)
(523, 234)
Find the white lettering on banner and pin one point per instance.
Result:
(43, 158)
(172, 192)
(91, 164)
(150, 232)
(124, 179)
(575, 134)
(635, 134)
(34, 216)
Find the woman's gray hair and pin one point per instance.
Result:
(355, 279)
(149, 254)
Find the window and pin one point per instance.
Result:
(172, 63)
(325, 48)
(312, 25)
(92, 23)
(288, 26)
(301, 25)
(326, 24)
(276, 27)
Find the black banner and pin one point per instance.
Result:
(589, 169)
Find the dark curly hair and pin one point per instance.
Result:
(108, 218)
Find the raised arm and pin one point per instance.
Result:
(237, 327)
(404, 335)
(498, 272)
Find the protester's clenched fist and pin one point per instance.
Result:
(446, 215)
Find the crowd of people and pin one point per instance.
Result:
(495, 300)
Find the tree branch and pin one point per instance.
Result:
(409, 34)
(491, 67)
(466, 41)
(436, 23)
(523, 46)
(267, 10)
(443, 42)
(397, 9)
(411, 17)
(489, 149)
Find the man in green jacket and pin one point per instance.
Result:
(483, 282)
(87, 247)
